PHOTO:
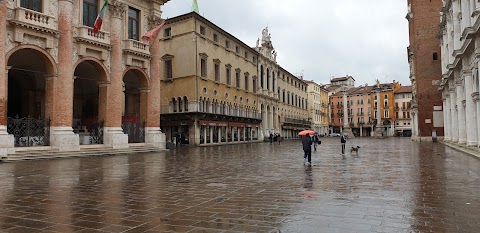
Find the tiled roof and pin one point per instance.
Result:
(404, 89)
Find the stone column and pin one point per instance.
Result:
(379, 130)
(153, 134)
(61, 131)
(454, 114)
(471, 112)
(113, 133)
(462, 135)
(446, 114)
(476, 99)
(346, 125)
(210, 132)
(7, 141)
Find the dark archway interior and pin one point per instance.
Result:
(132, 94)
(26, 85)
(86, 95)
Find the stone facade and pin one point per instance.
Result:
(59, 70)
(282, 95)
(363, 109)
(425, 67)
(460, 45)
(403, 120)
(318, 107)
(208, 84)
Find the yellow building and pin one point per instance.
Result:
(208, 85)
(318, 107)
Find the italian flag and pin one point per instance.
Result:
(99, 20)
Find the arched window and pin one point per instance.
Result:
(180, 103)
(268, 79)
(174, 104)
(261, 76)
(185, 103)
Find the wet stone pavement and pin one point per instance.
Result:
(393, 185)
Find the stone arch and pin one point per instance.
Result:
(141, 74)
(50, 67)
(95, 62)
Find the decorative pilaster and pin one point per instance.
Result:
(447, 117)
(470, 110)
(113, 133)
(462, 134)
(3, 62)
(454, 114)
(476, 100)
(60, 89)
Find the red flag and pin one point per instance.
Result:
(151, 33)
(99, 20)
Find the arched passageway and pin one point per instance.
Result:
(135, 105)
(89, 102)
(29, 105)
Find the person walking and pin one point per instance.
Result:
(315, 142)
(307, 148)
(343, 140)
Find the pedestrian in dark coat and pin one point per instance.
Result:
(307, 148)
(343, 141)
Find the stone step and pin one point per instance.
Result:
(84, 152)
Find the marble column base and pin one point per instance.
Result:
(472, 144)
(64, 139)
(378, 133)
(7, 142)
(462, 141)
(114, 137)
(349, 132)
(155, 137)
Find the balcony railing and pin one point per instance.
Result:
(136, 46)
(35, 18)
(296, 121)
(87, 33)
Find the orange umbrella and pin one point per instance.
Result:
(303, 133)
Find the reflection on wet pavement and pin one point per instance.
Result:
(393, 185)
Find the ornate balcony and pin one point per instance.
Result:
(34, 18)
(136, 47)
(86, 34)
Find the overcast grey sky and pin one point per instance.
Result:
(366, 39)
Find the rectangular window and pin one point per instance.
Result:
(254, 59)
(34, 5)
(133, 23)
(246, 82)
(396, 115)
(246, 55)
(217, 73)
(237, 77)
(408, 115)
(167, 32)
(202, 30)
(237, 49)
(228, 72)
(404, 115)
(386, 114)
(89, 12)
(203, 68)
(168, 69)
(215, 37)
(255, 88)
(227, 44)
